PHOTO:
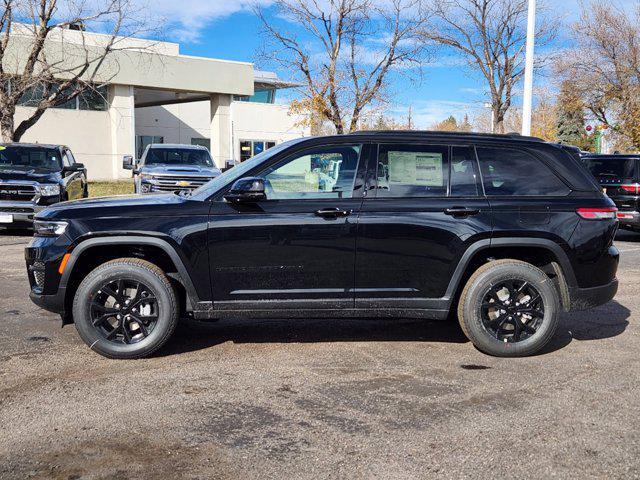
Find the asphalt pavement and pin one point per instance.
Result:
(300, 399)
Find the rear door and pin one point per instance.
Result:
(424, 207)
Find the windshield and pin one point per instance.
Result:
(178, 156)
(29, 158)
(611, 167)
(238, 171)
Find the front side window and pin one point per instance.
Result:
(507, 171)
(412, 171)
(318, 173)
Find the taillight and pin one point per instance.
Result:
(606, 213)
(632, 188)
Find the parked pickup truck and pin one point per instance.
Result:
(167, 168)
(34, 176)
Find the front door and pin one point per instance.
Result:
(424, 207)
(296, 249)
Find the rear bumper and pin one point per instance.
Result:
(586, 298)
(629, 220)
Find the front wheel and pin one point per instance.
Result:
(509, 308)
(125, 308)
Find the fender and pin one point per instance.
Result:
(480, 245)
(184, 279)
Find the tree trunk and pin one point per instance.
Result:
(7, 125)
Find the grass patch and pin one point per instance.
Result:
(105, 189)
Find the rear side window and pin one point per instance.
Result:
(464, 172)
(507, 171)
(412, 171)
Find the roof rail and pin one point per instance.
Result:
(512, 135)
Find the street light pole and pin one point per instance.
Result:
(528, 72)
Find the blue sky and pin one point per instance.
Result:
(229, 30)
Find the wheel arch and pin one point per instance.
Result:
(101, 249)
(541, 252)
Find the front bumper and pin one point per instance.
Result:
(586, 298)
(21, 213)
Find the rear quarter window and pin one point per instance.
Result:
(513, 172)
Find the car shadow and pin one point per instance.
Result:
(8, 232)
(627, 236)
(193, 335)
(606, 321)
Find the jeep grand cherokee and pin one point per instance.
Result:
(504, 231)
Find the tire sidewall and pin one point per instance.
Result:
(97, 279)
(472, 309)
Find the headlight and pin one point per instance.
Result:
(147, 178)
(49, 229)
(49, 190)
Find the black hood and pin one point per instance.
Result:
(29, 174)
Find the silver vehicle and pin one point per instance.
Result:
(171, 167)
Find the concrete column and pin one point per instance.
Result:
(122, 116)
(221, 148)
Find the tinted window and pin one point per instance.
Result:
(464, 172)
(611, 167)
(508, 171)
(323, 172)
(412, 171)
(178, 156)
(29, 157)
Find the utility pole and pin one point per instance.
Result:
(528, 72)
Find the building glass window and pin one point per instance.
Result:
(260, 95)
(93, 99)
(249, 148)
(203, 142)
(143, 141)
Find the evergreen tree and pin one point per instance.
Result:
(571, 120)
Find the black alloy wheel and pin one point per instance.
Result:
(512, 311)
(124, 311)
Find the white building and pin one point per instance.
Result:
(154, 94)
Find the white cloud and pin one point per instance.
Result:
(184, 20)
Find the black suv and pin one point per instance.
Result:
(504, 231)
(34, 176)
(619, 176)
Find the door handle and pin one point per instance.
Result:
(461, 211)
(333, 212)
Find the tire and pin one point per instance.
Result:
(481, 306)
(136, 334)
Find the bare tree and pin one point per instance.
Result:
(491, 35)
(605, 67)
(46, 57)
(346, 52)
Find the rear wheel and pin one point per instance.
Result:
(509, 308)
(126, 308)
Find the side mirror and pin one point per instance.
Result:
(76, 167)
(246, 190)
(128, 162)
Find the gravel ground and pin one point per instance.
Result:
(319, 399)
